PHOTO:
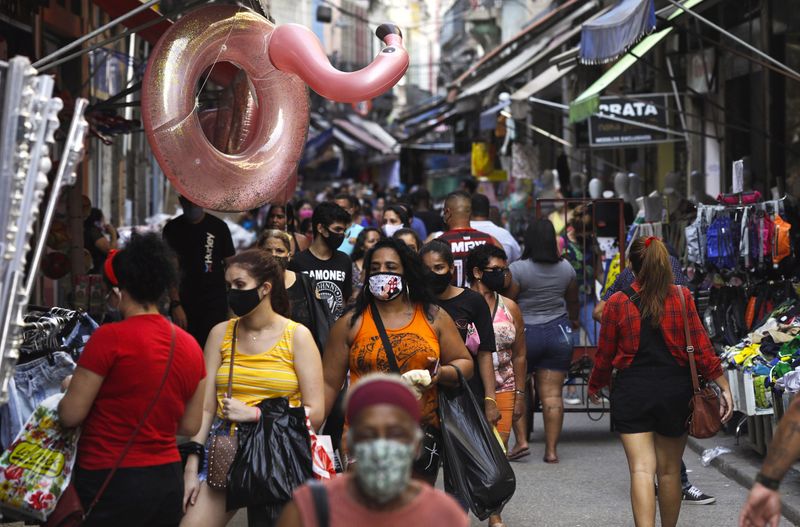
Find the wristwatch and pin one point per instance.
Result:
(771, 484)
(173, 304)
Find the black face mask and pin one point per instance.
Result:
(494, 280)
(283, 261)
(334, 240)
(243, 301)
(439, 282)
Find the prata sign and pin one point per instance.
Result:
(636, 120)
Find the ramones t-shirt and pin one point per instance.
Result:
(334, 277)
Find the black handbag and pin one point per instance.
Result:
(475, 465)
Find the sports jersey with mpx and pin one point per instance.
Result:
(461, 242)
(334, 277)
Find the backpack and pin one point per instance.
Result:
(721, 243)
(781, 242)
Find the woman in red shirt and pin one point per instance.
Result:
(642, 337)
(118, 377)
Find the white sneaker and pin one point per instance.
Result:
(573, 400)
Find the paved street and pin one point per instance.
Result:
(589, 488)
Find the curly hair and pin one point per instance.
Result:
(144, 268)
(413, 277)
(479, 257)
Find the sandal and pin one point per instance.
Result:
(551, 461)
(515, 455)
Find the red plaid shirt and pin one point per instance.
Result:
(619, 337)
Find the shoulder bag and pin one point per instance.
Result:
(223, 446)
(704, 420)
(69, 512)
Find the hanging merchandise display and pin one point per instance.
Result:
(291, 56)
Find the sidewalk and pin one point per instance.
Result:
(742, 465)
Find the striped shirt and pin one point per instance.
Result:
(266, 375)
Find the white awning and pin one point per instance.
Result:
(519, 99)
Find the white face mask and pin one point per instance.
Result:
(389, 230)
(386, 286)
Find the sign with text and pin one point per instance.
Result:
(631, 120)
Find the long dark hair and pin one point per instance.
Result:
(540, 242)
(359, 250)
(264, 268)
(413, 277)
(650, 263)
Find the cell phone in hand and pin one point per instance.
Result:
(434, 368)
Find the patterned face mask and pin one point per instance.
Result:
(386, 286)
(383, 468)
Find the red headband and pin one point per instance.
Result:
(649, 240)
(382, 391)
(108, 268)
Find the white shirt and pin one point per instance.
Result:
(500, 234)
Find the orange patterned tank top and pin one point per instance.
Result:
(412, 346)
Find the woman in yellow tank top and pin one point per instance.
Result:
(275, 357)
(422, 337)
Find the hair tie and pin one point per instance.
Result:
(108, 268)
(649, 240)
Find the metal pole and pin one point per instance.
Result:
(736, 39)
(92, 34)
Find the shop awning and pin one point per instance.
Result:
(587, 102)
(607, 37)
(519, 99)
(366, 135)
(488, 119)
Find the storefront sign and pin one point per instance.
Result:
(649, 110)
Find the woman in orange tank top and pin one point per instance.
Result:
(423, 339)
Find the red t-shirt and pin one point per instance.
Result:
(131, 355)
(429, 508)
(461, 242)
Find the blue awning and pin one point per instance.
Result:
(488, 120)
(608, 37)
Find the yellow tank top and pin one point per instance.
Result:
(266, 375)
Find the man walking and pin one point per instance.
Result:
(460, 236)
(201, 242)
(480, 220)
(322, 261)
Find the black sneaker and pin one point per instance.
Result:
(695, 496)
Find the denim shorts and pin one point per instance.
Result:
(549, 345)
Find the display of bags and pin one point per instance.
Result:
(273, 459)
(37, 467)
(474, 462)
(721, 246)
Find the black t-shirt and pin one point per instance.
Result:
(470, 307)
(432, 220)
(90, 237)
(334, 277)
(201, 249)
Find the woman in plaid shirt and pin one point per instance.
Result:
(642, 339)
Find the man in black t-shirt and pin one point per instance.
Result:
(322, 261)
(201, 242)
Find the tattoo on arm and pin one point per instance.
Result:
(785, 447)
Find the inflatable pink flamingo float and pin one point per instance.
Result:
(255, 162)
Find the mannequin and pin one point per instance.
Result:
(654, 207)
(595, 188)
(697, 186)
(673, 190)
(635, 191)
(578, 185)
(621, 186)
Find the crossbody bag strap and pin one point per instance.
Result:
(689, 347)
(136, 430)
(229, 391)
(387, 346)
(319, 495)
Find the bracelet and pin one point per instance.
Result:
(521, 392)
(258, 413)
(490, 399)
(771, 484)
(192, 447)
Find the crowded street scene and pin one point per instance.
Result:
(392, 263)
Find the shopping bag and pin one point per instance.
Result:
(474, 462)
(273, 459)
(321, 453)
(37, 467)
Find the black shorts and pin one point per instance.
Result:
(650, 403)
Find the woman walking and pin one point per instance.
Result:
(275, 357)
(138, 382)
(548, 299)
(642, 337)
(365, 241)
(423, 339)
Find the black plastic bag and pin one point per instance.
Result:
(475, 466)
(273, 459)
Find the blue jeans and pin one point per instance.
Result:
(33, 382)
(549, 345)
(592, 329)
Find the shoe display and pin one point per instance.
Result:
(695, 496)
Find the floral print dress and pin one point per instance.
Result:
(505, 333)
